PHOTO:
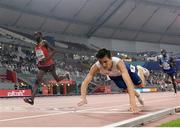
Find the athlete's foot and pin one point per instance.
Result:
(175, 94)
(29, 101)
(82, 102)
(140, 100)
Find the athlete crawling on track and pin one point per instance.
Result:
(124, 75)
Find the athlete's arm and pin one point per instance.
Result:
(160, 62)
(172, 62)
(94, 69)
(130, 85)
(51, 49)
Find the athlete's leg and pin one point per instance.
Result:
(35, 88)
(141, 75)
(138, 96)
(56, 77)
(137, 81)
(38, 81)
(167, 78)
(173, 79)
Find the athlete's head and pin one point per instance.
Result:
(38, 36)
(104, 57)
(163, 52)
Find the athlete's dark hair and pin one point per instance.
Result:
(163, 51)
(102, 53)
(38, 33)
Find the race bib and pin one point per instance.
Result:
(40, 55)
(132, 68)
(166, 66)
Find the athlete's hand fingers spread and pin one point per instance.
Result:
(134, 109)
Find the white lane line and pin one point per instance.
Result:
(103, 112)
(37, 116)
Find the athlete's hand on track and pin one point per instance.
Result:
(82, 102)
(134, 109)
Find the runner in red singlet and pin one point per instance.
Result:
(44, 54)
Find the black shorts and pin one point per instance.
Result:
(46, 69)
